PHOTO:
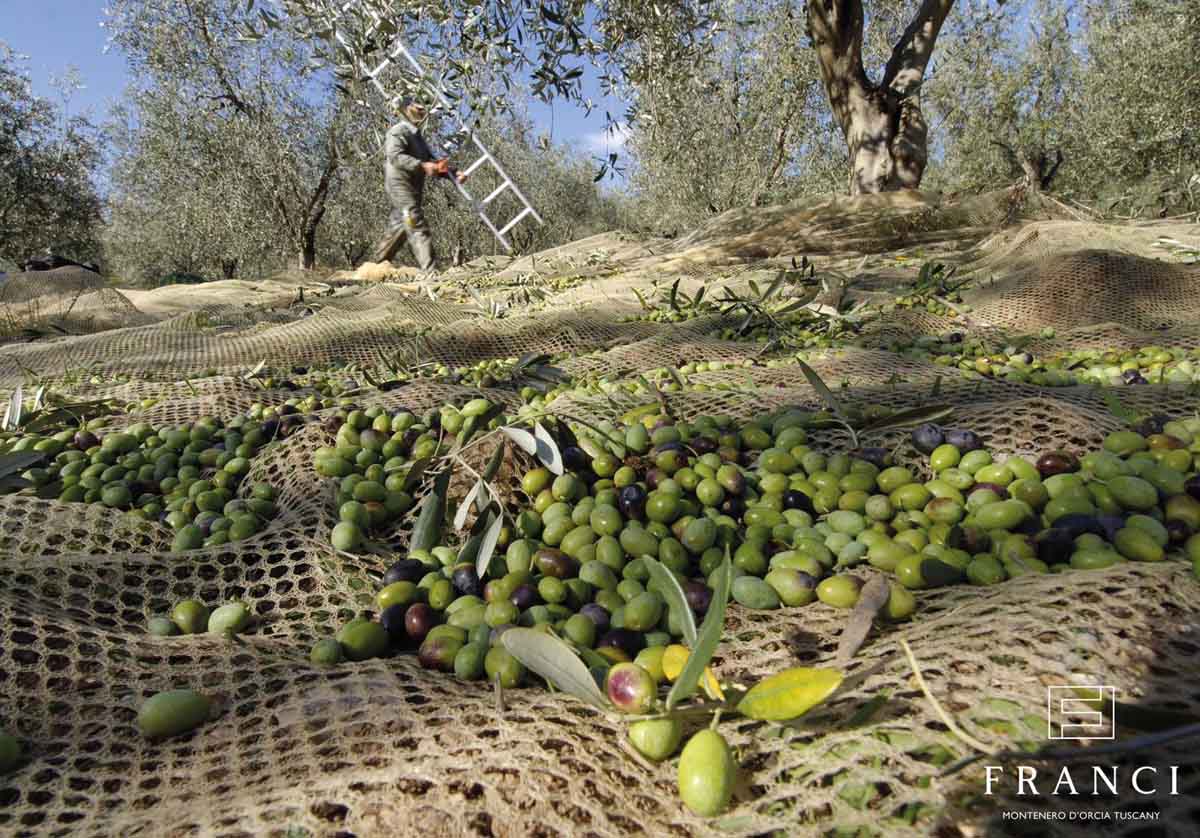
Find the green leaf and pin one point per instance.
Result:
(547, 449)
(1115, 407)
(673, 298)
(907, 418)
(554, 661)
(495, 462)
(18, 462)
(789, 694)
(415, 473)
(491, 536)
(676, 600)
(822, 390)
(707, 639)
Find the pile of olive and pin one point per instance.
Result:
(185, 476)
(373, 455)
(796, 521)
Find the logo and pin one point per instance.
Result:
(1083, 712)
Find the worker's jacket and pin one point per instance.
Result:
(405, 150)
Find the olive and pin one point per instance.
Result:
(439, 652)
(466, 581)
(556, 563)
(628, 641)
(1152, 425)
(500, 665)
(927, 437)
(191, 616)
(881, 458)
(1192, 486)
(707, 773)
(598, 614)
(632, 502)
(698, 595)
(393, 622)
(795, 499)
(326, 652)
(524, 596)
(84, 440)
(1178, 532)
(1076, 524)
(1056, 462)
(630, 688)
(405, 570)
(173, 712)
(575, 458)
(964, 441)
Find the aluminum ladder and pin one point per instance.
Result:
(398, 49)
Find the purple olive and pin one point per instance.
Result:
(964, 441)
(524, 596)
(703, 445)
(734, 506)
(466, 581)
(598, 614)
(1077, 524)
(795, 499)
(575, 458)
(1178, 531)
(405, 570)
(1057, 462)
(632, 502)
(927, 437)
(1055, 545)
(1152, 425)
(699, 596)
(1110, 524)
(878, 457)
(418, 620)
(392, 619)
(85, 440)
(1192, 486)
(628, 641)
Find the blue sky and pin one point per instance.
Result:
(56, 34)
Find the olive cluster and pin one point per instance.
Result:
(186, 476)
(373, 456)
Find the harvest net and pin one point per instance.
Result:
(384, 747)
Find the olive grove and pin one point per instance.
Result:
(48, 198)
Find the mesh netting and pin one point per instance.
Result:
(385, 747)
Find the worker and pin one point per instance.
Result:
(408, 163)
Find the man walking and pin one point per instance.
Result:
(408, 163)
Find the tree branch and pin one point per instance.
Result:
(836, 29)
(910, 57)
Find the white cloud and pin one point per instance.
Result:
(608, 140)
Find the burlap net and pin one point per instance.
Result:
(385, 748)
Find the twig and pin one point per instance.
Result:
(942, 714)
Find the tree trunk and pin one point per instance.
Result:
(308, 248)
(886, 133)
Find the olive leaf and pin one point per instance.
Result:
(547, 449)
(908, 418)
(254, 372)
(822, 389)
(874, 597)
(427, 532)
(789, 694)
(707, 638)
(554, 661)
(464, 508)
(11, 464)
(12, 415)
(415, 473)
(523, 439)
(491, 536)
(675, 597)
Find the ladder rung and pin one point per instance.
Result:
(475, 165)
(513, 223)
(496, 193)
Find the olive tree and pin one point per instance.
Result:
(263, 108)
(633, 41)
(48, 199)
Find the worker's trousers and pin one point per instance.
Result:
(406, 221)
